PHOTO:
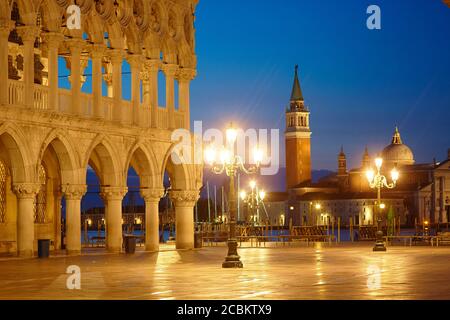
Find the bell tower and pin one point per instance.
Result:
(342, 174)
(297, 138)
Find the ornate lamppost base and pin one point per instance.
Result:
(379, 245)
(232, 264)
(232, 260)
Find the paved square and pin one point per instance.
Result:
(345, 272)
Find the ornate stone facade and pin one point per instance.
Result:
(68, 130)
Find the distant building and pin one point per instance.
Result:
(422, 192)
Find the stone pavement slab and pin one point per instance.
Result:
(320, 272)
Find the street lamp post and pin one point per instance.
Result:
(317, 206)
(231, 164)
(379, 181)
(254, 200)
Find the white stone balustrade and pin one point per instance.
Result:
(16, 97)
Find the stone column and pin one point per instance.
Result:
(75, 46)
(185, 76)
(135, 62)
(145, 78)
(73, 194)
(152, 198)
(26, 194)
(53, 40)
(116, 61)
(152, 67)
(5, 28)
(28, 35)
(97, 51)
(113, 197)
(107, 65)
(170, 70)
(184, 216)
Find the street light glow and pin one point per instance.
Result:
(231, 134)
(210, 155)
(225, 156)
(379, 162)
(318, 206)
(370, 174)
(262, 194)
(257, 155)
(395, 175)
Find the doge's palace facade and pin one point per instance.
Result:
(50, 135)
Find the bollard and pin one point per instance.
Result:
(332, 226)
(351, 229)
(339, 229)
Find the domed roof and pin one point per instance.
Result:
(397, 152)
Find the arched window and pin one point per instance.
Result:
(2, 192)
(41, 198)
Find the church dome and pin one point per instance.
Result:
(397, 152)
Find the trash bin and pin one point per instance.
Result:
(43, 248)
(130, 244)
(198, 240)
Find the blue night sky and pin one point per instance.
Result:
(358, 83)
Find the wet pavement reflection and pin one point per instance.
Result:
(321, 272)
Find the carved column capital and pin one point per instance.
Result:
(28, 33)
(75, 44)
(144, 75)
(113, 193)
(152, 195)
(116, 56)
(135, 60)
(26, 190)
(170, 70)
(74, 191)
(152, 65)
(186, 74)
(97, 50)
(5, 27)
(185, 198)
(52, 39)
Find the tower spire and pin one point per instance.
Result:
(298, 139)
(342, 162)
(366, 159)
(342, 170)
(296, 94)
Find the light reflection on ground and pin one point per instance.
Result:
(321, 272)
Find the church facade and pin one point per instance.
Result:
(422, 192)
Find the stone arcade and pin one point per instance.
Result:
(49, 135)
